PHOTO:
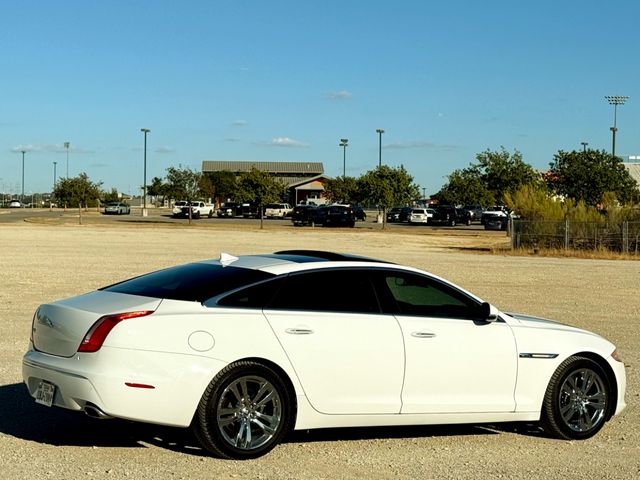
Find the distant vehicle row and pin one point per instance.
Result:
(494, 218)
(327, 215)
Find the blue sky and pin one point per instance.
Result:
(286, 80)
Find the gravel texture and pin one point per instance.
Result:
(43, 262)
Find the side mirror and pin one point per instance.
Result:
(488, 312)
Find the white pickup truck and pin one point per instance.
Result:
(277, 210)
(198, 209)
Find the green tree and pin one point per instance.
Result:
(259, 187)
(111, 196)
(342, 190)
(385, 187)
(589, 175)
(465, 187)
(78, 192)
(184, 183)
(224, 183)
(488, 180)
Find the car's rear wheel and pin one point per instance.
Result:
(577, 400)
(244, 412)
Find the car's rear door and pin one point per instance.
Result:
(348, 356)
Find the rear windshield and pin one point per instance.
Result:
(195, 282)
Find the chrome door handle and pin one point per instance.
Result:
(423, 334)
(299, 331)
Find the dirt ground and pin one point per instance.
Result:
(42, 262)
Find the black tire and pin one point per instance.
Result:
(577, 401)
(196, 215)
(210, 215)
(265, 398)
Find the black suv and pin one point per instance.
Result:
(398, 214)
(336, 216)
(449, 215)
(230, 210)
(304, 215)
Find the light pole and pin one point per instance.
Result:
(66, 145)
(343, 143)
(144, 188)
(584, 146)
(615, 100)
(54, 186)
(22, 196)
(380, 131)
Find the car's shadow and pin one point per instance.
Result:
(23, 418)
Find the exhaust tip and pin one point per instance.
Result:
(94, 412)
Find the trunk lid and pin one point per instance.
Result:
(59, 327)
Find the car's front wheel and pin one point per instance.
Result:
(577, 400)
(244, 412)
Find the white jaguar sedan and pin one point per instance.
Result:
(244, 349)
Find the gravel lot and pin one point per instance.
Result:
(42, 262)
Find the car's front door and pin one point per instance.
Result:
(348, 356)
(455, 363)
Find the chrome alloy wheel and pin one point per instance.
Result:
(249, 412)
(583, 400)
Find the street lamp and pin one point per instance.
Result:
(584, 146)
(615, 100)
(144, 188)
(343, 143)
(22, 196)
(380, 131)
(66, 145)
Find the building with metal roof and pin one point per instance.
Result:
(633, 167)
(304, 181)
(286, 172)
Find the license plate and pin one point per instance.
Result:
(44, 393)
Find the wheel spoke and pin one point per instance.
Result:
(567, 412)
(588, 380)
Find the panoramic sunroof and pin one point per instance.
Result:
(323, 255)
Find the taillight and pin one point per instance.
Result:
(98, 332)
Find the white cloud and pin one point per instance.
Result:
(164, 149)
(50, 148)
(285, 142)
(341, 95)
(240, 123)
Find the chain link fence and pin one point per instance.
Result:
(621, 237)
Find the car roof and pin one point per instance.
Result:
(293, 260)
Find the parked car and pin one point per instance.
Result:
(198, 209)
(398, 214)
(498, 210)
(328, 340)
(229, 210)
(250, 210)
(475, 211)
(449, 215)
(177, 207)
(421, 216)
(359, 213)
(15, 204)
(304, 215)
(495, 221)
(464, 216)
(117, 208)
(335, 216)
(277, 210)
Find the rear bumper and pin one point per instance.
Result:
(100, 379)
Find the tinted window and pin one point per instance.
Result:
(419, 295)
(328, 290)
(192, 282)
(255, 296)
